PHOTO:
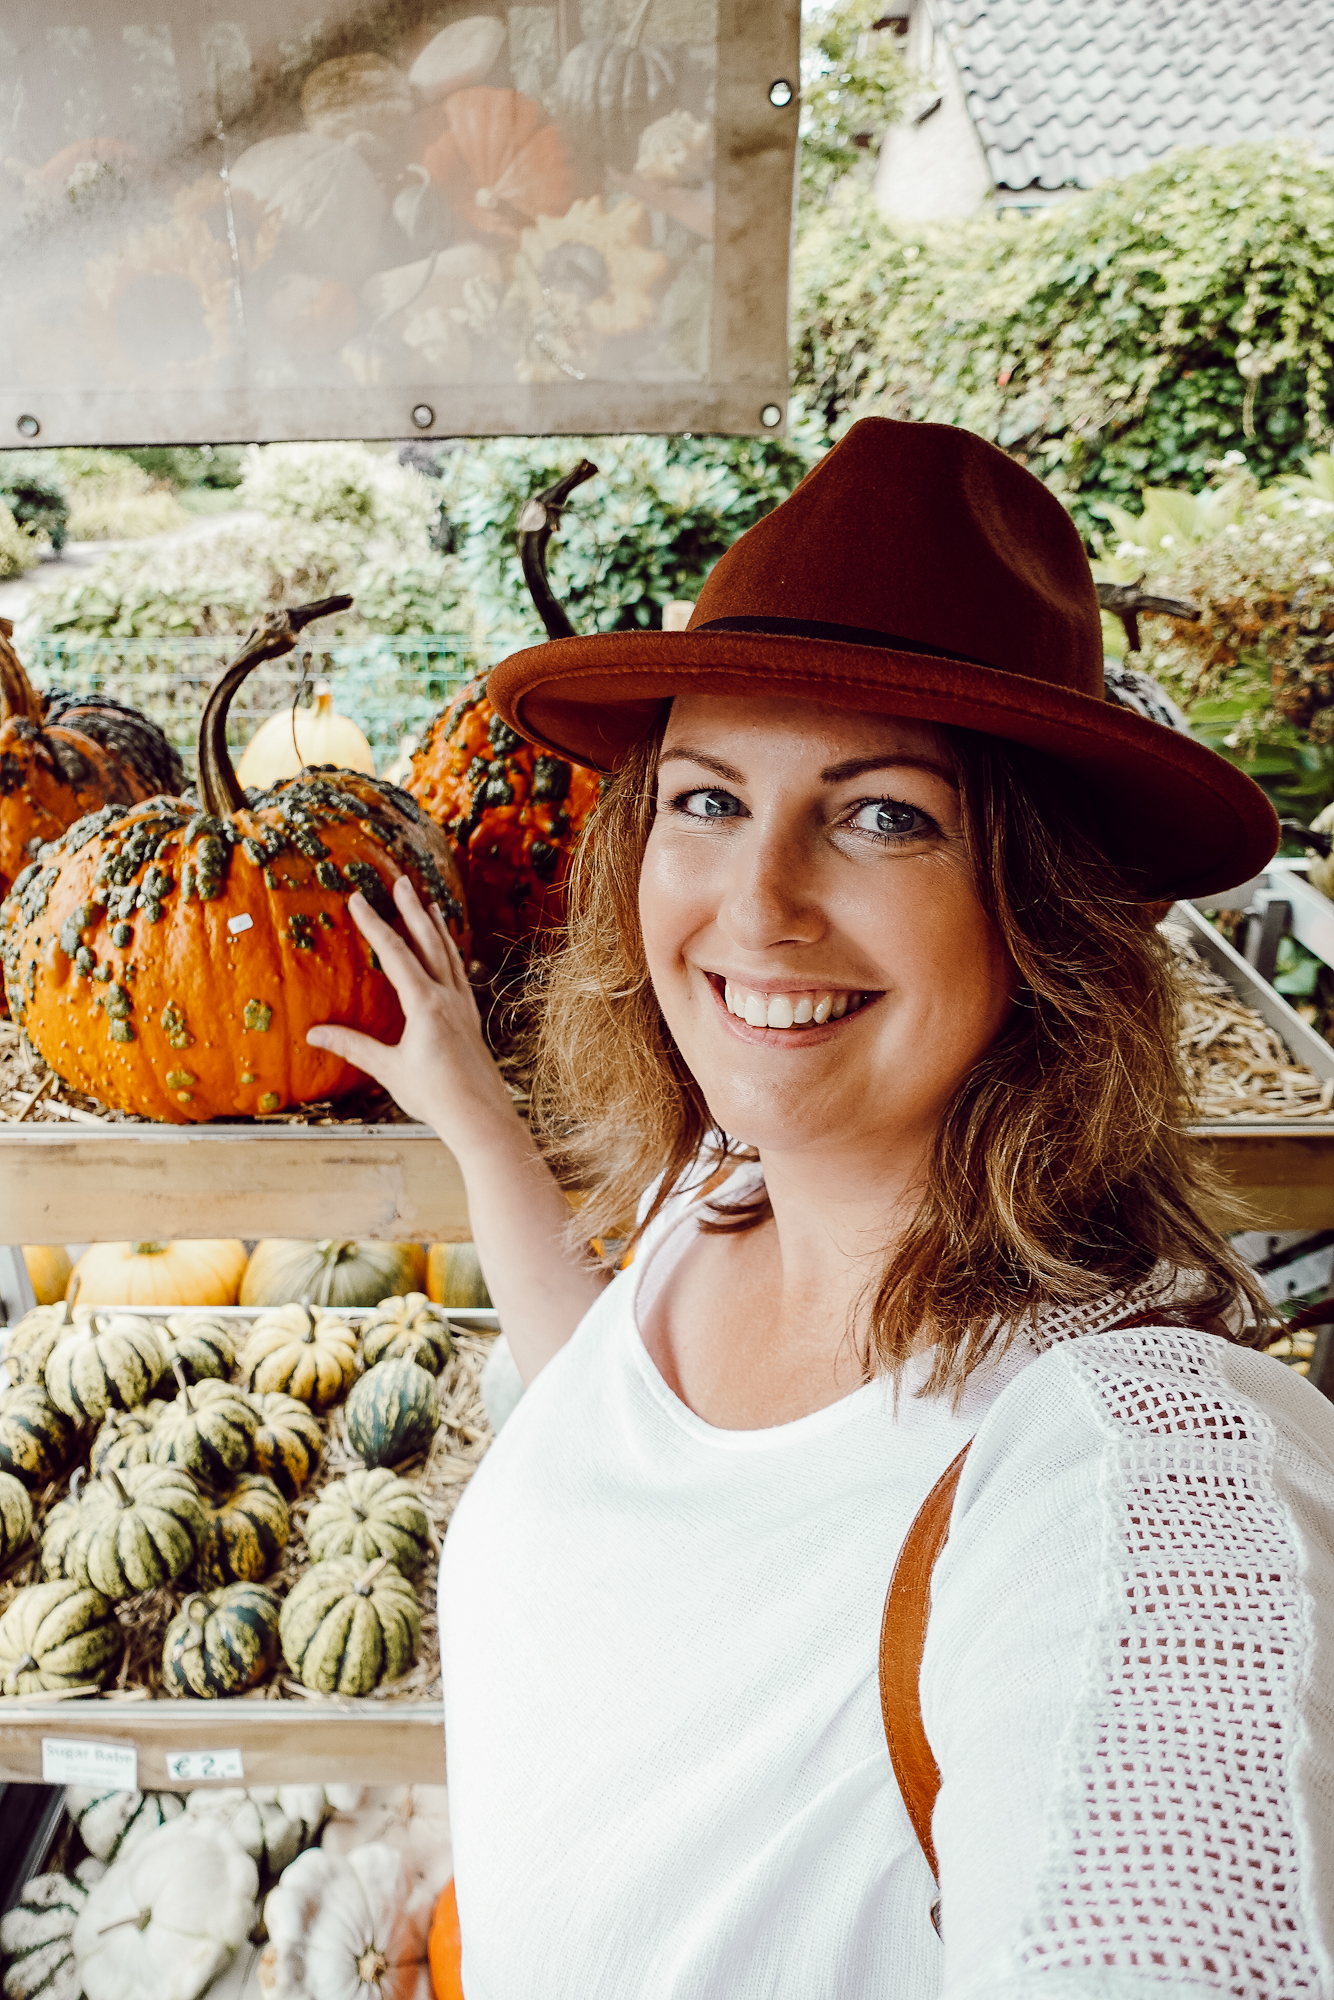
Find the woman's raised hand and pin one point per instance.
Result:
(441, 1070)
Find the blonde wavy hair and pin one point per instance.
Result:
(1061, 1168)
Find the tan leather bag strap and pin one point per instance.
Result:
(903, 1627)
(902, 1641)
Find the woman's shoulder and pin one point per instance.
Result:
(1162, 1404)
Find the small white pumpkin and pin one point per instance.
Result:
(342, 1927)
(412, 1819)
(292, 740)
(272, 1823)
(168, 1917)
(36, 1935)
(111, 1823)
(459, 55)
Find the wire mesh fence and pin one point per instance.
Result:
(390, 687)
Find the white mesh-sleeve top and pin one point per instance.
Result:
(668, 1774)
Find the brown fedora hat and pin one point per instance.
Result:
(916, 571)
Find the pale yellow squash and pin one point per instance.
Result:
(290, 742)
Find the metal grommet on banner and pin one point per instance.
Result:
(771, 416)
(423, 416)
(780, 92)
(28, 427)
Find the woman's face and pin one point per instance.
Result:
(811, 927)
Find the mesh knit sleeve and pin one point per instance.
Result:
(1129, 1680)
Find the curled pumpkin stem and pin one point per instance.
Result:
(276, 634)
(537, 523)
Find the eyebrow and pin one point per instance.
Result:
(833, 774)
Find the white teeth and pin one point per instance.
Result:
(781, 1010)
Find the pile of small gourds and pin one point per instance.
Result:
(195, 1488)
(176, 1891)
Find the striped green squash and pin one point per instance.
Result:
(246, 1535)
(346, 1627)
(123, 1438)
(370, 1514)
(203, 1348)
(114, 1362)
(132, 1531)
(31, 1342)
(407, 1329)
(57, 1635)
(288, 1441)
(222, 1642)
(36, 1439)
(37, 1935)
(392, 1412)
(208, 1428)
(110, 1823)
(15, 1516)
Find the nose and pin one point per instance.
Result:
(768, 894)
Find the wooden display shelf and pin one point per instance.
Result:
(151, 1183)
(280, 1742)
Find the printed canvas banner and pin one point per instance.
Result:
(243, 219)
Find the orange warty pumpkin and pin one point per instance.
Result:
(498, 162)
(59, 765)
(513, 814)
(168, 960)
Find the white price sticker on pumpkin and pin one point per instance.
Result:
(72, 1760)
(195, 1767)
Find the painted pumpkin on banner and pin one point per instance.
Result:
(168, 960)
(498, 161)
(512, 813)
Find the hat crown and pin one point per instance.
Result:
(926, 538)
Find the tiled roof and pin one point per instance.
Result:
(1067, 92)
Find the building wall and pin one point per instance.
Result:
(932, 163)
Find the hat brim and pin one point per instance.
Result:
(1175, 815)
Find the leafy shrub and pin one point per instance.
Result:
(648, 529)
(854, 82)
(34, 492)
(348, 484)
(19, 550)
(1256, 674)
(111, 499)
(1123, 338)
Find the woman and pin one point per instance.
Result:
(861, 1002)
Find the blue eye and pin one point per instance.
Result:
(891, 819)
(710, 805)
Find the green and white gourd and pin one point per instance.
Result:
(345, 1627)
(136, 1530)
(208, 1429)
(37, 1935)
(288, 1441)
(15, 1516)
(202, 1347)
(36, 1439)
(260, 1822)
(29, 1345)
(57, 1636)
(247, 1533)
(111, 1823)
(123, 1439)
(392, 1412)
(169, 1917)
(408, 1329)
(221, 1642)
(113, 1363)
(370, 1514)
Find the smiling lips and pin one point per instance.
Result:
(789, 1010)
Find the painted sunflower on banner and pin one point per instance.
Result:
(159, 309)
(581, 279)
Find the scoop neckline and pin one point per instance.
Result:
(769, 1436)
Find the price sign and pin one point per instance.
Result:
(196, 1767)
